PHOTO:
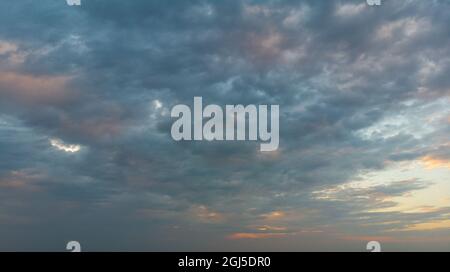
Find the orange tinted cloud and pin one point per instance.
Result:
(434, 162)
(254, 235)
(434, 225)
(274, 215)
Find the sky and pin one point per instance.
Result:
(86, 152)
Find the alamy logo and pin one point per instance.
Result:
(373, 246)
(235, 127)
(73, 246)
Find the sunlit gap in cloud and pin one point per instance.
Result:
(405, 188)
(157, 104)
(60, 145)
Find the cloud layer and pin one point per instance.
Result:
(85, 146)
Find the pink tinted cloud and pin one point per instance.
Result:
(35, 90)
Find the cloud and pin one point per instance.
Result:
(206, 215)
(274, 215)
(21, 179)
(235, 236)
(359, 90)
(33, 89)
(345, 10)
(441, 224)
(58, 144)
(432, 162)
